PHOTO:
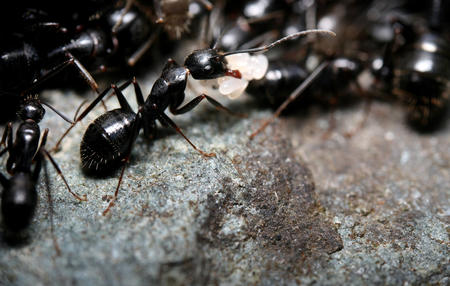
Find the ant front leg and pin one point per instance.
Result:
(165, 120)
(51, 210)
(57, 69)
(125, 10)
(367, 106)
(193, 103)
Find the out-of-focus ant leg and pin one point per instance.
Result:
(57, 69)
(366, 111)
(293, 96)
(50, 209)
(143, 48)
(7, 135)
(55, 165)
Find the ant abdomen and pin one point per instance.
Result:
(19, 202)
(279, 81)
(106, 140)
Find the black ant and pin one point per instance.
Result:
(415, 68)
(174, 17)
(254, 22)
(45, 48)
(108, 141)
(19, 197)
(284, 82)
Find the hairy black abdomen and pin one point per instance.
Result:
(106, 141)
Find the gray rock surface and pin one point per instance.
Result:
(287, 208)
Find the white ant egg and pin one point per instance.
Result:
(231, 86)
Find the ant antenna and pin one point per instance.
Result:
(287, 38)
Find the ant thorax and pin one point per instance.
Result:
(251, 67)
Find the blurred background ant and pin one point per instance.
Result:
(415, 65)
(19, 195)
(42, 43)
(333, 72)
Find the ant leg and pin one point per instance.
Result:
(111, 203)
(164, 119)
(57, 112)
(143, 48)
(331, 120)
(55, 165)
(57, 69)
(293, 96)
(138, 92)
(51, 210)
(84, 73)
(367, 107)
(7, 135)
(125, 10)
(46, 27)
(208, 5)
(193, 103)
(122, 100)
(158, 11)
(79, 108)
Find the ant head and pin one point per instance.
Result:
(209, 64)
(31, 108)
(206, 64)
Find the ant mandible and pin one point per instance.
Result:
(108, 141)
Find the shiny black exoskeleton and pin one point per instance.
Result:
(284, 83)
(109, 139)
(19, 196)
(282, 78)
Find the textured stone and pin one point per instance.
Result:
(249, 215)
(290, 207)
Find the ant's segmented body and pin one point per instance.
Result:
(19, 197)
(108, 141)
